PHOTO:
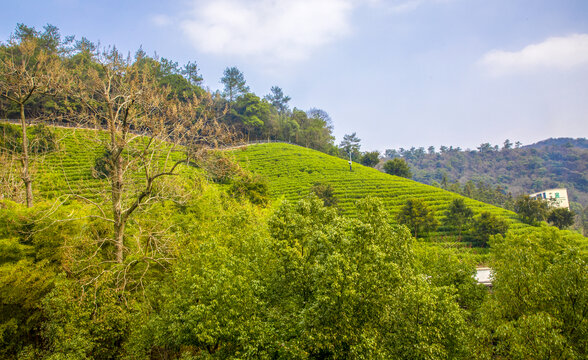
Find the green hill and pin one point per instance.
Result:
(292, 170)
(69, 170)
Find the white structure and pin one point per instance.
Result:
(484, 276)
(557, 197)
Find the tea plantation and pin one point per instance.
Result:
(292, 170)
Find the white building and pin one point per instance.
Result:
(557, 197)
(484, 276)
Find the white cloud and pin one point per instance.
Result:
(269, 30)
(406, 6)
(161, 20)
(554, 53)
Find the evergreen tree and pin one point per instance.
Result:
(234, 84)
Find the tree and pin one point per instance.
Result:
(350, 146)
(458, 215)
(191, 73)
(144, 130)
(487, 225)
(417, 215)
(325, 192)
(315, 129)
(234, 82)
(315, 113)
(370, 158)
(250, 113)
(531, 210)
(539, 301)
(561, 217)
(398, 167)
(278, 100)
(29, 66)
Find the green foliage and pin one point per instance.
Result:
(531, 210)
(291, 171)
(370, 158)
(102, 165)
(552, 163)
(278, 99)
(398, 167)
(250, 113)
(350, 145)
(481, 191)
(220, 168)
(41, 139)
(324, 192)
(23, 285)
(234, 83)
(419, 218)
(561, 217)
(211, 303)
(251, 187)
(85, 325)
(10, 138)
(458, 215)
(346, 283)
(540, 295)
(487, 225)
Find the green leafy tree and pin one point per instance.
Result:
(537, 308)
(418, 217)
(398, 167)
(370, 158)
(315, 129)
(486, 225)
(250, 113)
(458, 215)
(531, 211)
(341, 286)
(561, 217)
(325, 192)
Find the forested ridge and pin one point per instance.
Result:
(133, 235)
(497, 175)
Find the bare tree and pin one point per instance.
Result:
(143, 129)
(28, 69)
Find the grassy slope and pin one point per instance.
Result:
(69, 170)
(292, 170)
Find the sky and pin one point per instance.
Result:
(399, 73)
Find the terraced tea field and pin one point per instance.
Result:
(292, 170)
(69, 169)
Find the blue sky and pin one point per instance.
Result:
(400, 73)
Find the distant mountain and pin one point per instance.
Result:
(558, 142)
(551, 163)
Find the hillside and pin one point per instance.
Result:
(68, 170)
(292, 170)
(547, 164)
(196, 258)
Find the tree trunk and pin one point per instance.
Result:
(26, 177)
(118, 216)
